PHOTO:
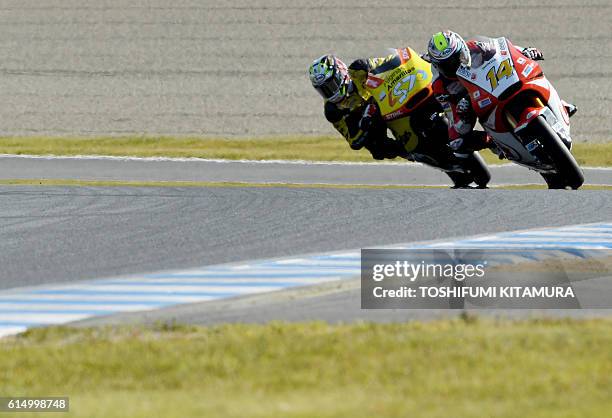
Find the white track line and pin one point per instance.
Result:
(200, 160)
(244, 161)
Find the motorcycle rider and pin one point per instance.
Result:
(346, 108)
(447, 51)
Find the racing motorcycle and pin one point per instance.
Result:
(523, 113)
(401, 89)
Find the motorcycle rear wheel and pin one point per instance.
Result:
(460, 180)
(478, 170)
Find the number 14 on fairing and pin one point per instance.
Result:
(504, 70)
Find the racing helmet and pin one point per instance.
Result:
(447, 51)
(329, 76)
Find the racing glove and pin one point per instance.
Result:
(367, 118)
(365, 124)
(464, 108)
(456, 144)
(466, 117)
(533, 53)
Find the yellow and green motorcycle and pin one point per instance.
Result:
(400, 84)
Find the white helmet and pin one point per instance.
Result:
(447, 51)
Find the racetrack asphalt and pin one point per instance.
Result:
(239, 68)
(52, 234)
(17, 167)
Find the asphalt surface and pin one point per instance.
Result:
(262, 172)
(62, 234)
(238, 67)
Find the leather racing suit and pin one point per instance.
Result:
(455, 100)
(355, 117)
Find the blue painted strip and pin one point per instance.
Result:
(559, 239)
(515, 251)
(275, 274)
(153, 304)
(130, 293)
(203, 283)
(561, 234)
(331, 258)
(312, 266)
(52, 311)
(578, 252)
(554, 244)
(593, 226)
(10, 324)
(238, 275)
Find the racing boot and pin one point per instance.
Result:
(476, 141)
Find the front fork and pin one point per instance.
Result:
(520, 117)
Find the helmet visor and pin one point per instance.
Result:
(448, 67)
(332, 88)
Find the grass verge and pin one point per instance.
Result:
(472, 367)
(317, 148)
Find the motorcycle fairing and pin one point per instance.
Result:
(518, 74)
(396, 90)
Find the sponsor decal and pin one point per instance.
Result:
(484, 102)
(374, 82)
(504, 53)
(521, 60)
(532, 145)
(463, 72)
(527, 70)
(382, 96)
(394, 115)
(531, 114)
(405, 54)
(476, 94)
(473, 77)
(397, 75)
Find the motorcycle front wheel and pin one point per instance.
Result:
(568, 172)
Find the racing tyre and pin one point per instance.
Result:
(460, 180)
(554, 181)
(478, 170)
(568, 171)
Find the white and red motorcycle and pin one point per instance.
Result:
(523, 113)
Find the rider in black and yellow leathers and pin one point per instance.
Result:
(349, 110)
(393, 93)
